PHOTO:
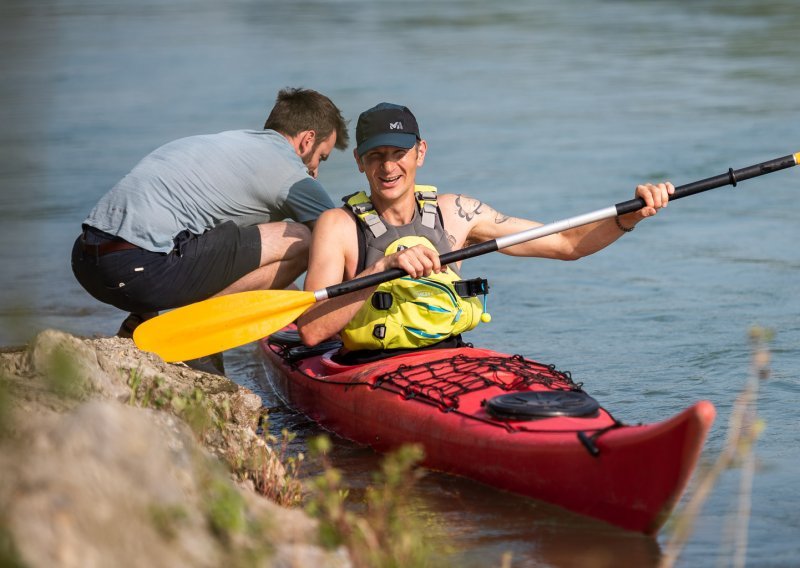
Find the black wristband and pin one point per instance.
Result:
(621, 228)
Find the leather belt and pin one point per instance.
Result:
(107, 247)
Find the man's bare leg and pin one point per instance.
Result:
(284, 257)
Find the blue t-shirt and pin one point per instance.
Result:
(196, 183)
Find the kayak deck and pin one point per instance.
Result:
(592, 464)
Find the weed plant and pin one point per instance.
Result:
(744, 429)
(389, 534)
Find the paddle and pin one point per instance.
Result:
(229, 321)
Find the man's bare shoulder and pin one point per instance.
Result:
(334, 251)
(336, 230)
(335, 219)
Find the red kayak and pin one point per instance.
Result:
(503, 420)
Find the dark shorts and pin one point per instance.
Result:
(137, 280)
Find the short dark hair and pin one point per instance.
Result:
(301, 109)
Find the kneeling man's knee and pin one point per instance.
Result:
(287, 243)
(300, 232)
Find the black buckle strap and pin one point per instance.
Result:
(358, 208)
(471, 288)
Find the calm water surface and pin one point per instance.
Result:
(545, 110)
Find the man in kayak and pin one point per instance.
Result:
(205, 215)
(403, 225)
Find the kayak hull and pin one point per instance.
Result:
(629, 476)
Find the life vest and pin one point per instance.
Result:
(410, 312)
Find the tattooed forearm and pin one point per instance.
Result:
(467, 207)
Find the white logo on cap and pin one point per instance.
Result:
(396, 125)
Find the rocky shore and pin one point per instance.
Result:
(111, 457)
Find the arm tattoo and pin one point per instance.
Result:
(469, 208)
(500, 218)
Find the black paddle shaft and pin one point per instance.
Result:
(394, 273)
(732, 177)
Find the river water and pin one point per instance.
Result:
(545, 110)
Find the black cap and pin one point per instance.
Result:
(386, 124)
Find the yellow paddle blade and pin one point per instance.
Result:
(220, 323)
